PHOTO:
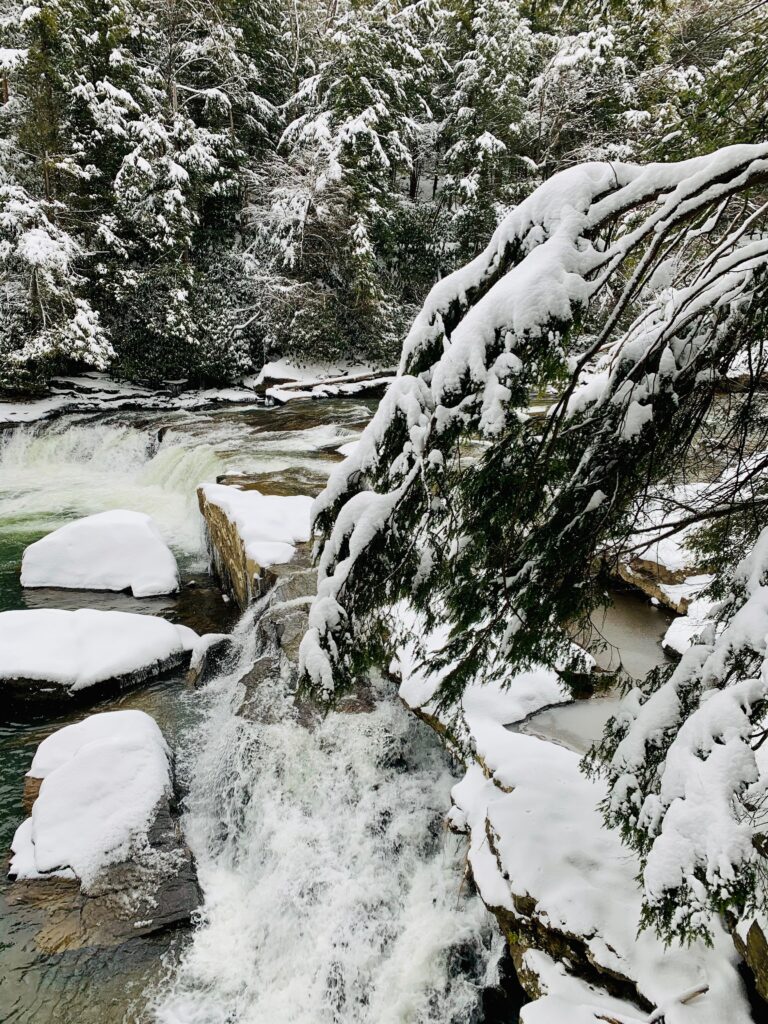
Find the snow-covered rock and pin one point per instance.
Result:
(662, 566)
(115, 550)
(289, 371)
(103, 818)
(285, 380)
(102, 780)
(248, 532)
(369, 385)
(52, 655)
(686, 628)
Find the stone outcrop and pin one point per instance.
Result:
(236, 572)
(674, 589)
(752, 946)
(239, 574)
(40, 696)
(279, 631)
(56, 658)
(154, 890)
(102, 852)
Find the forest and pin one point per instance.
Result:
(189, 188)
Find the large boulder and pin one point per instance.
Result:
(51, 657)
(102, 850)
(116, 550)
(248, 533)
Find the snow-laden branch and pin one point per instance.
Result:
(492, 535)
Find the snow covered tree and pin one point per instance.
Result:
(631, 290)
(711, 89)
(330, 216)
(45, 310)
(481, 131)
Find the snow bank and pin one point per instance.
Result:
(685, 629)
(536, 831)
(269, 525)
(78, 649)
(103, 779)
(98, 392)
(549, 843)
(287, 370)
(116, 550)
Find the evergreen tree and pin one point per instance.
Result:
(631, 290)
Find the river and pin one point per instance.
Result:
(333, 892)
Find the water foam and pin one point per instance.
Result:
(59, 471)
(332, 890)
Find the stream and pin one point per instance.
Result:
(333, 892)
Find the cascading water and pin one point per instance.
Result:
(65, 470)
(332, 890)
(333, 893)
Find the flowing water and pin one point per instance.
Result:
(332, 891)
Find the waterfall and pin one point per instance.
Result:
(333, 892)
(52, 472)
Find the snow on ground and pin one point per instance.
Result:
(337, 387)
(77, 649)
(102, 781)
(270, 525)
(287, 370)
(528, 798)
(99, 392)
(115, 550)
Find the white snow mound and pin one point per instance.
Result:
(102, 781)
(116, 550)
(78, 649)
(269, 525)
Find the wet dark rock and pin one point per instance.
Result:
(35, 696)
(154, 890)
(752, 947)
(213, 662)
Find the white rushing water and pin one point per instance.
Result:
(64, 470)
(333, 892)
(57, 471)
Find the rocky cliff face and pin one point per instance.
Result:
(236, 572)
